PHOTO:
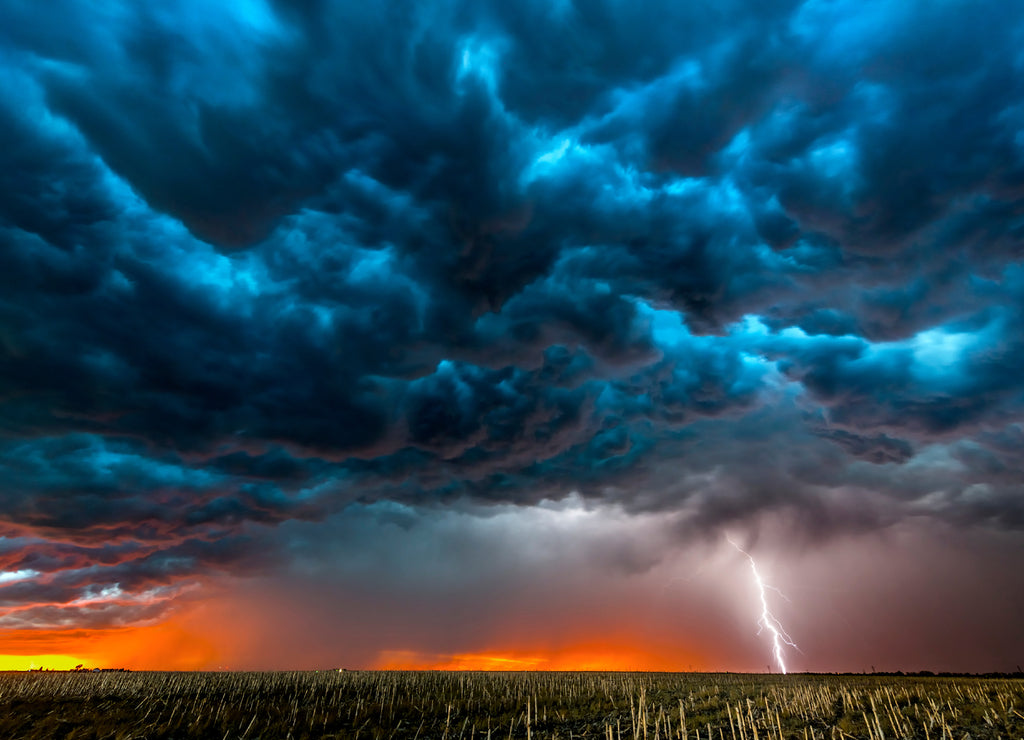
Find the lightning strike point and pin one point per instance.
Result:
(767, 620)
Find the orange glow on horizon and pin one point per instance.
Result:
(167, 647)
(244, 635)
(183, 644)
(164, 646)
(582, 657)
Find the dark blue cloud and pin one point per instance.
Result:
(262, 261)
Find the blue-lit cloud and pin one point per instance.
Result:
(265, 262)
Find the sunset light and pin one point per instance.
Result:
(36, 662)
(587, 657)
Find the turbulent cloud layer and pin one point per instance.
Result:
(264, 264)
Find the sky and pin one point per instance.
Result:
(467, 334)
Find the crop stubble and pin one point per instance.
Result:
(471, 705)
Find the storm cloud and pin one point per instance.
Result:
(268, 263)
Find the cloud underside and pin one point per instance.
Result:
(263, 263)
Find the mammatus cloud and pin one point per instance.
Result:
(263, 264)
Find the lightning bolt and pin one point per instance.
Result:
(767, 620)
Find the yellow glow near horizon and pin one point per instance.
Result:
(28, 662)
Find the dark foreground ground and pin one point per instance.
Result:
(466, 706)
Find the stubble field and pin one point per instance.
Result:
(467, 706)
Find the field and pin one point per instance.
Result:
(467, 706)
